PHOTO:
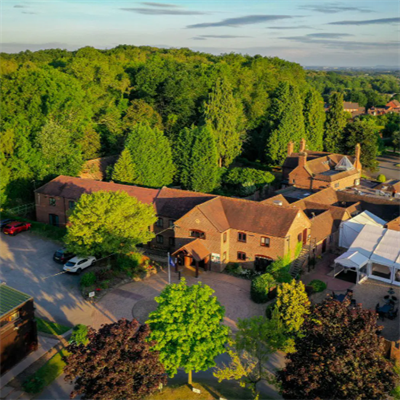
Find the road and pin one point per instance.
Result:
(387, 167)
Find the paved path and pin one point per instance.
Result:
(387, 167)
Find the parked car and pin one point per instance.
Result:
(12, 228)
(62, 256)
(4, 222)
(77, 264)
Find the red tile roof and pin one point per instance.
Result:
(322, 226)
(72, 188)
(275, 200)
(394, 224)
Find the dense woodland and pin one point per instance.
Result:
(174, 116)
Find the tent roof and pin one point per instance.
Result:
(352, 259)
(367, 218)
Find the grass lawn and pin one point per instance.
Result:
(208, 392)
(51, 328)
(47, 373)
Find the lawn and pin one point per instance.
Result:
(46, 374)
(51, 328)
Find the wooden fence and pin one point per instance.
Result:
(392, 350)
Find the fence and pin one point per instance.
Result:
(21, 210)
(392, 350)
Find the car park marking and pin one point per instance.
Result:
(51, 276)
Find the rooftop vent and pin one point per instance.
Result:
(344, 165)
(278, 202)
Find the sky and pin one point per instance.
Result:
(358, 33)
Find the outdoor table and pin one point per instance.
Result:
(384, 309)
(340, 297)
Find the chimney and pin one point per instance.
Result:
(302, 159)
(290, 148)
(302, 145)
(357, 163)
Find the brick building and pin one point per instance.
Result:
(313, 170)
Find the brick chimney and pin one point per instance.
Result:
(357, 163)
(302, 159)
(302, 145)
(290, 148)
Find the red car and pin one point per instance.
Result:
(15, 227)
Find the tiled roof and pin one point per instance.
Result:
(196, 249)
(249, 216)
(348, 105)
(175, 203)
(335, 176)
(11, 298)
(326, 196)
(322, 226)
(276, 199)
(292, 161)
(394, 224)
(73, 188)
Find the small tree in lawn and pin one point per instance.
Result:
(187, 328)
(256, 339)
(116, 363)
(341, 356)
(104, 223)
(124, 169)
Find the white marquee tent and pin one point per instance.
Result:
(349, 229)
(375, 253)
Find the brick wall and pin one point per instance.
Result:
(167, 234)
(44, 208)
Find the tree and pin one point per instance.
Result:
(341, 356)
(314, 119)
(256, 339)
(104, 223)
(187, 328)
(335, 123)
(151, 155)
(285, 122)
(182, 152)
(124, 169)
(139, 112)
(261, 286)
(364, 132)
(223, 113)
(116, 363)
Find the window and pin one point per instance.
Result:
(242, 237)
(264, 241)
(171, 223)
(71, 204)
(52, 201)
(241, 256)
(299, 237)
(336, 185)
(224, 257)
(53, 219)
(10, 318)
(224, 237)
(160, 222)
(160, 239)
(171, 241)
(197, 234)
(356, 182)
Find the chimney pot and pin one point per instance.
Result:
(302, 145)
(302, 159)
(290, 148)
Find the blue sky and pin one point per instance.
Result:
(330, 33)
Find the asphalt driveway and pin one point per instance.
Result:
(387, 167)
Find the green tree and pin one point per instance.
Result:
(365, 133)
(139, 112)
(104, 223)
(335, 124)
(314, 119)
(285, 122)
(152, 157)
(124, 169)
(256, 340)
(223, 113)
(187, 328)
(182, 152)
(204, 172)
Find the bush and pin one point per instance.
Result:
(269, 310)
(88, 279)
(129, 263)
(260, 288)
(317, 285)
(79, 334)
(381, 178)
(33, 385)
(104, 274)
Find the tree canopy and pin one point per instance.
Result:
(335, 124)
(103, 223)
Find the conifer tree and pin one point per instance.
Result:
(151, 155)
(314, 119)
(224, 115)
(182, 152)
(124, 170)
(335, 123)
(285, 122)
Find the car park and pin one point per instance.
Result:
(12, 228)
(78, 264)
(62, 256)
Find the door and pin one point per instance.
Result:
(304, 237)
(324, 246)
(53, 219)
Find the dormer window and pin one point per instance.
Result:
(197, 234)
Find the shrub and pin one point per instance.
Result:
(79, 334)
(317, 285)
(104, 284)
(33, 385)
(129, 263)
(88, 279)
(381, 178)
(260, 288)
(104, 274)
(270, 308)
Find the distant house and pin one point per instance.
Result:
(392, 107)
(314, 170)
(353, 108)
(18, 333)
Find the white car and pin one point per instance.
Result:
(77, 264)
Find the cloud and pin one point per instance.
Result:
(291, 27)
(328, 35)
(368, 21)
(198, 38)
(20, 6)
(161, 5)
(246, 20)
(223, 36)
(28, 12)
(161, 11)
(333, 8)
